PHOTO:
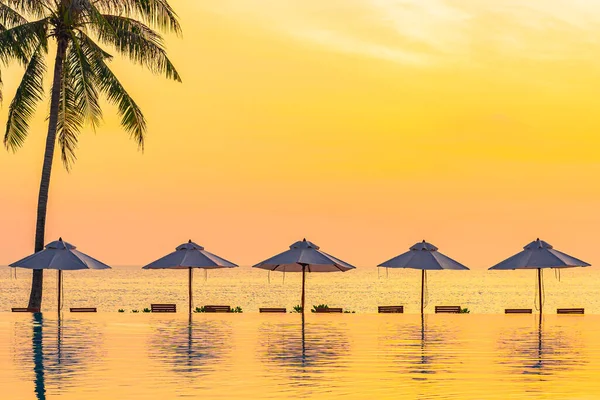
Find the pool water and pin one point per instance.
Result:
(276, 356)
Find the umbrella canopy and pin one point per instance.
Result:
(59, 255)
(426, 257)
(189, 256)
(539, 254)
(304, 256)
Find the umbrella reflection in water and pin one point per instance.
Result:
(425, 360)
(193, 347)
(418, 351)
(302, 348)
(57, 360)
(542, 351)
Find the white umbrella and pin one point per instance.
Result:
(423, 256)
(304, 257)
(189, 256)
(61, 256)
(538, 255)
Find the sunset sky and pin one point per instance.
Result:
(362, 125)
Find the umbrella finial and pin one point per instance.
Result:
(190, 241)
(304, 240)
(60, 239)
(423, 240)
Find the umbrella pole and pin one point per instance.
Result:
(422, 289)
(59, 287)
(303, 284)
(540, 288)
(190, 288)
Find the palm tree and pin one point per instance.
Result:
(77, 30)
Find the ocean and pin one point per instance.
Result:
(360, 290)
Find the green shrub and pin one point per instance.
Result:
(146, 310)
(199, 309)
(349, 312)
(121, 310)
(237, 309)
(465, 311)
(297, 309)
(135, 311)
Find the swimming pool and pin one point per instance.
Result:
(355, 356)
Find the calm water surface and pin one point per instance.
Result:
(355, 356)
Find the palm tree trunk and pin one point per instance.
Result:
(35, 297)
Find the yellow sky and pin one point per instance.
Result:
(363, 125)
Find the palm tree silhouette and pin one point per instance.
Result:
(81, 74)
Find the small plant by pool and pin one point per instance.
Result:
(297, 309)
(464, 311)
(237, 309)
(146, 310)
(135, 311)
(200, 309)
(121, 310)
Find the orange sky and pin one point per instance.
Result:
(363, 125)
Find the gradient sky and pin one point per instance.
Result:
(363, 125)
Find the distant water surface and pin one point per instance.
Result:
(360, 290)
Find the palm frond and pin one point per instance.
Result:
(132, 118)
(37, 8)
(140, 43)
(157, 13)
(91, 16)
(10, 18)
(83, 81)
(70, 119)
(22, 107)
(20, 42)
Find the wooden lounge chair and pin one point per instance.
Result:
(518, 311)
(329, 310)
(447, 309)
(570, 311)
(163, 308)
(272, 310)
(83, 309)
(390, 309)
(217, 309)
(25, 309)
